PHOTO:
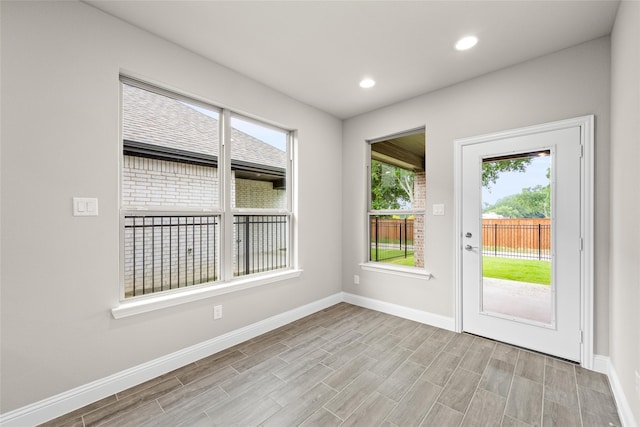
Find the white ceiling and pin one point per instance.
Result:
(318, 51)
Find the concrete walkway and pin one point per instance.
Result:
(519, 299)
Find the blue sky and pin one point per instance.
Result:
(513, 182)
(269, 135)
(272, 137)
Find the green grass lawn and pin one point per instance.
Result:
(402, 261)
(492, 249)
(394, 256)
(521, 270)
(383, 240)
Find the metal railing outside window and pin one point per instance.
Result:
(390, 238)
(527, 241)
(164, 252)
(260, 243)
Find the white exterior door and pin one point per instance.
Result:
(504, 313)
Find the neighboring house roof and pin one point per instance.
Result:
(492, 215)
(163, 122)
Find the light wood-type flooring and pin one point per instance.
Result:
(350, 366)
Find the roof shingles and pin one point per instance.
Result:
(165, 122)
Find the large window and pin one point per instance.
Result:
(397, 196)
(205, 195)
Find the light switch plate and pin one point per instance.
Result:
(85, 206)
(438, 209)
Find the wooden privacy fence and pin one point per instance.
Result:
(517, 237)
(390, 238)
(392, 230)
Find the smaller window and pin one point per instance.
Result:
(397, 197)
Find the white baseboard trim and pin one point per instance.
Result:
(78, 397)
(603, 365)
(71, 400)
(402, 311)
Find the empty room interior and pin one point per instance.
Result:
(320, 213)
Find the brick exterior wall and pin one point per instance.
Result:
(167, 253)
(419, 202)
(258, 195)
(151, 182)
(156, 183)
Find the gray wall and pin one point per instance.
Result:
(569, 83)
(60, 118)
(625, 200)
(60, 66)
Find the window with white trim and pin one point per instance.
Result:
(205, 193)
(397, 197)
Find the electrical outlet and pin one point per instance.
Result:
(356, 279)
(217, 312)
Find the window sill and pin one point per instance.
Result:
(132, 308)
(416, 273)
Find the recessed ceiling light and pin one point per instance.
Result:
(466, 43)
(367, 83)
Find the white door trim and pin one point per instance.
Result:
(586, 124)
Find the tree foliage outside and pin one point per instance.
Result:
(491, 170)
(391, 187)
(530, 203)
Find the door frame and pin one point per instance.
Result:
(586, 124)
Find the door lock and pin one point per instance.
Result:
(468, 235)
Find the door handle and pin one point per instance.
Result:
(469, 247)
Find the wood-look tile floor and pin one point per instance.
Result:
(350, 366)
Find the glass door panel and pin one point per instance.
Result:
(516, 237)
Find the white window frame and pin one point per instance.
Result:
(378, 266)
(226, 282)
(230, 212)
